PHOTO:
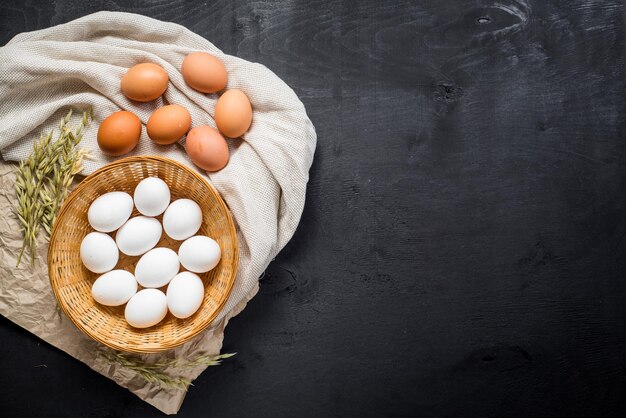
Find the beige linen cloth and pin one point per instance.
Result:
(79, 65)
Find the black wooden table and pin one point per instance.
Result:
(462, 251)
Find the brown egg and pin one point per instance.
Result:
(233, 113)
(207, 148)
(168, 124)
(144, 82)
(204, 72)
(119, 133)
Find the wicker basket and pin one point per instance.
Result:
(71, 281)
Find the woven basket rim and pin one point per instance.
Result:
(231, 226)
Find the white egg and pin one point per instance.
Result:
(99, 252)
(157, 267)
(185, 294)
(114, 288)
(199, 254)
(152, 196)
(147, 308)
(182, 219)
(138, 235)
(109, 211)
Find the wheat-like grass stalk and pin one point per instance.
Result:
(43, 180)
(154, 372)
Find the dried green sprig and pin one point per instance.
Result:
(56, 188)
(31, 175)
(154, 372)
(43, 180)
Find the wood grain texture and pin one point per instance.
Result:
(462, 251)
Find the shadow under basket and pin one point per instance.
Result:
(71, 281)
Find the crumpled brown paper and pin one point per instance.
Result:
(26, 298)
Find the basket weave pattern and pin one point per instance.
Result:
(71, 281)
